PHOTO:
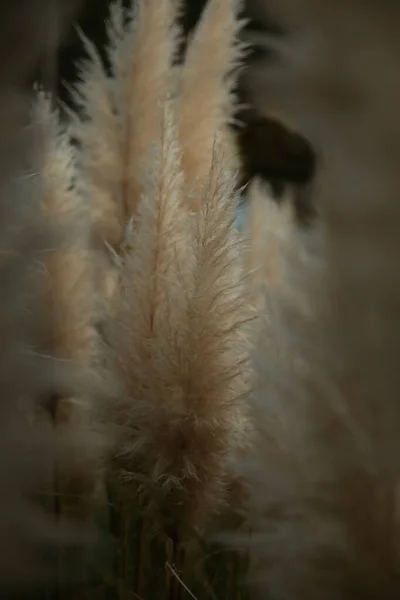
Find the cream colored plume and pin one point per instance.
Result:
(328, 487)
(206, 98)
(269, 230)
(180, 344)
(70, 304)
(179, 325)
(123, 112)
(69, 267)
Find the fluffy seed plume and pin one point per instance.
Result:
(206, 98)
(218, 329)
(145, 303)
(123, 110)
(69, 272)
(180, 343)
(27, 377)
(269, 228)
(70, 304)
(329, 498)
(178, 329)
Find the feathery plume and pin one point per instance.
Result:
(142, 62)
(96, 128)
(185, 367)
(68, 267)
(27, 377)
(142, 309)
(207, 99)
(123, 111)
(219, 328)
(177, 328)
(269, 229)
(329, 498)
(71, 307)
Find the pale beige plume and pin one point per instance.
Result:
(124, 110)
(179, 325)
(269, 228)
(328, 488)
(206, 101)
(71, 309)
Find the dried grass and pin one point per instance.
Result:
(328, 490)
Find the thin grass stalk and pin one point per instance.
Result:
(115, 528)
(139, 557)
(176, 559)
(57, 588)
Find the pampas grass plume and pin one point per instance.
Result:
(207, 91)
(124, 111)
(328, 491)
(71, 309)
(178, 327)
